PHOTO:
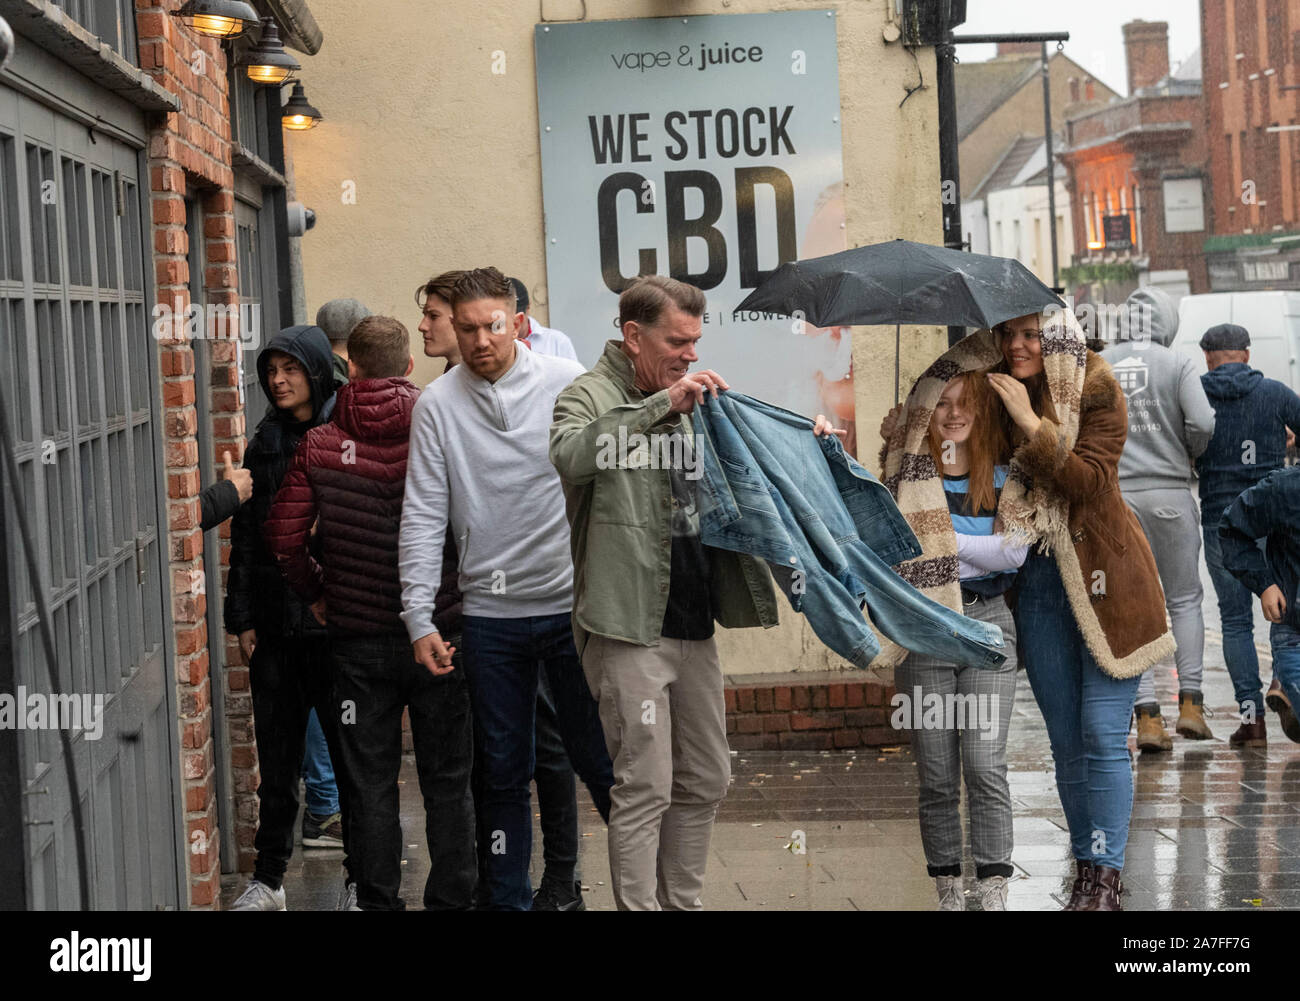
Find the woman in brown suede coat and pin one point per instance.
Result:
(1089, 610)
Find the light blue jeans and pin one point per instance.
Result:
(318, 772)
(1087, 714)
(1285, 641)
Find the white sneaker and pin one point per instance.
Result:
(347, 898)
(993, 893)
(952, 896)
(260, 897)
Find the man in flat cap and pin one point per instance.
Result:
(337, 318)
(1252, 417)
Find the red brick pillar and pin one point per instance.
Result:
(189, 151)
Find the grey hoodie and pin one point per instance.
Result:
(1170, 420)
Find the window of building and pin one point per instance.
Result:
(248, 125)
(112, 20)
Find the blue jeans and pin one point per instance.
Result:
(1087, 714)
(501, 658)
(1285, 641)
(318, 772)
(1237, 619)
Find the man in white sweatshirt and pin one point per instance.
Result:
(478, 444)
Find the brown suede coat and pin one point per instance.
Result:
(1109, 573)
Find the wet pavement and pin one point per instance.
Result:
(1213, 828)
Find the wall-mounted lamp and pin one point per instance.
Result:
(1095, 245)
(297, 114)
(6, 42)
(218, 18)
(268, 62)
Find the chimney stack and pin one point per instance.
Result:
(1146, 50)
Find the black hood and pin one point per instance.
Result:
(311, 348)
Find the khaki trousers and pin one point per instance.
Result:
(665, 727)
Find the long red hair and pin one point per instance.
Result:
(987, 445)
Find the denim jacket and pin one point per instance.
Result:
(829, 530)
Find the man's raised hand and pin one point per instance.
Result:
(690, 389)
(241, 478)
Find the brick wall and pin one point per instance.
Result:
(1244, 97)
(810, 712)
(189, 154)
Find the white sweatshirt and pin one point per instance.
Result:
(479, 458)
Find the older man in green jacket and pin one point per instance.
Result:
(647, 592)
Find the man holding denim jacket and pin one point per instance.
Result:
(647, 592)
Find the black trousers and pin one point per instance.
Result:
(290, 677)
(375, 677)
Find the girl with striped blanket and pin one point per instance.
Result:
(959, 714)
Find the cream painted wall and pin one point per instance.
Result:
(445, 162)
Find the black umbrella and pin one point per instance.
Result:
(902, 282)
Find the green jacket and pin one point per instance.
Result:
(621, 518)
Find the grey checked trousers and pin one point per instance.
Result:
(968, 736)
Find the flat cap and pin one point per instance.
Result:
(1225, 337)
(338, 316)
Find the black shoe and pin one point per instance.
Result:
(552, 896)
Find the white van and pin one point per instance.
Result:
(1273, 319)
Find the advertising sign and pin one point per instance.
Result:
(705, 148)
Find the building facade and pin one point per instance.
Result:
(410, 181)
(141, 175)
(1009, 214)
(1252, 96)
(1000, 100)
(1136, 170)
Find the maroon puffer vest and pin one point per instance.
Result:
(356, 476)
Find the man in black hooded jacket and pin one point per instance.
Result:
(285, 645)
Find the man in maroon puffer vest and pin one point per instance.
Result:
(348, 479)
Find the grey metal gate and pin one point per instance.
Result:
(79, 371)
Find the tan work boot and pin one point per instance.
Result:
(1151, 729)
(1191, 717)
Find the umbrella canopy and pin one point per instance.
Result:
(903, 282)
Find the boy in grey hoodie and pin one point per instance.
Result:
(1170, 425)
